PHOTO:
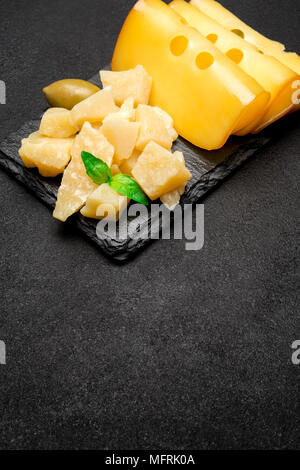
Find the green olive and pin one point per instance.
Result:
(66, 93)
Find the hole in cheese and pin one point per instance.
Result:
(178, 45)
(239, 32)
(236, 55)
(212, 37)
(204, 60)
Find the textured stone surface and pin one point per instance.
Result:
(174, 349)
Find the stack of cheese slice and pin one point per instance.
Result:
(210, 79)
(269, 72)
(287, 99)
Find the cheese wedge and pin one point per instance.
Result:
(94, 108)
(168, 122)
(206, 93)
(128, 165)
(56, 122)
(153, 128)
(171, 199)
(76, 185)
(158, 171)
(266, 46)
(49, 155)
(105, 202)
(135, 83)
(126, 113)
(123, 136)
(271, 74)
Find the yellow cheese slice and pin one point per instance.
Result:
(219, 13)
(227, 19)
(276, 111)
(206, 93)
(290, 59)
(271, 74)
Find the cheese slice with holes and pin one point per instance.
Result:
(216, 11)
(271, 74)
(227, 19)
(206, 93)
(290, 59)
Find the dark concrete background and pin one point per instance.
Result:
(175, 349)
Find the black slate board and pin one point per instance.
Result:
(208, 170)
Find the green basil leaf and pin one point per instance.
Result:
(96, 168)
(127, 186)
